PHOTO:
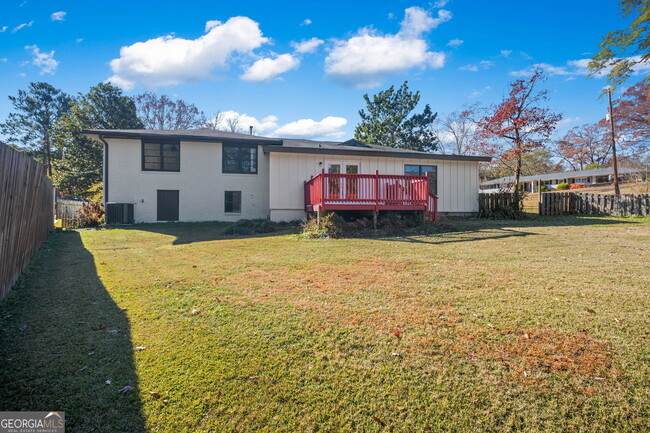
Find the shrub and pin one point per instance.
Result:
(543, 188)
(91, 214)
(577, 186)
(562, 186)
(252, 227)
(330, 226)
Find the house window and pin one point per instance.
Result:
(239, 159)
(233, 202)
(161, 156)
(422, 170)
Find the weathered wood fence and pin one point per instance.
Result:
(68, 212)
(493, 201)
(560, 203)
(26, 212)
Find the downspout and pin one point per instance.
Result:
(105, 177)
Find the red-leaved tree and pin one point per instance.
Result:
(518, 125)
(632, 122)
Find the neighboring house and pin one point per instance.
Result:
(206, 175)
(552, 180)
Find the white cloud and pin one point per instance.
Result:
(305, 22)
(506, 53)
(169, 60)
(309, 128)
(22, 26)
(79, 40)
(475, 67)
(44, 61)
(58, 16)
(3, 29)
(568, 121)
(455, 43)
(4, 60)
(368, 57)
(306, 128)
(417, 21)
(268, 69)
(260, 127)
(307, 46)
(441, 3)
(575, 68)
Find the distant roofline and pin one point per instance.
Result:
(563, 175)
(270, 144)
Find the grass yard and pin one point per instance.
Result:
(538, 326)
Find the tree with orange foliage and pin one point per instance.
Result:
(518, 125)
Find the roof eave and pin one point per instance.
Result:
(181, 137)
(371, 152)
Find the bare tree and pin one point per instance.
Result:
(160, 112)
(216, 122)
(584, 145)
(232, 124)
(457, 130)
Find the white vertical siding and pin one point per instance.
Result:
(457, 180)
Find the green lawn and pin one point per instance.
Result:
(536, 325)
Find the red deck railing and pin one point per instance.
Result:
(329, 191)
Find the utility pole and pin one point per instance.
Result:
(617, 189)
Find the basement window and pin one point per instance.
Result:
(232, 202)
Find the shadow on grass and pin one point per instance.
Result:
(459, 229)
(187, 233)
(62, 338)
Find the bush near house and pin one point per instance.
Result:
(562, 186)
(577, 186)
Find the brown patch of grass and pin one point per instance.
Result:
(377, 294)
(533, 354)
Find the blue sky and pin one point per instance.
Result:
(300, 68)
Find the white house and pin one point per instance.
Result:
(552, 180)
(207, 175)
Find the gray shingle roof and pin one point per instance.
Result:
(271, 144)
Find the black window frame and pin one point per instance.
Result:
(433, 185)
(233, 201)
(239, 170)
(161, 144)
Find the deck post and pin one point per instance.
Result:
(375, 214)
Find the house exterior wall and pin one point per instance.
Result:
(200, 182)
(458, 181)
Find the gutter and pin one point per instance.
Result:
(105, 179)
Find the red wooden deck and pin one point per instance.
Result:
(329, 191)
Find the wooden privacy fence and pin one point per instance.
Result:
(559, 203)
(494, 201)
(68, 212)
(26, 212)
